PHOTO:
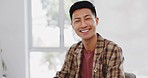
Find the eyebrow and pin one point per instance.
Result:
(87, 15)
(79, 17)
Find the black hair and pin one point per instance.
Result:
(80, 5)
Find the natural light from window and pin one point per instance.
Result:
(122, 21)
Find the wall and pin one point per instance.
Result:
(125, 22)
(13, 37)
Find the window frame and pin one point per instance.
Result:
(61, 27)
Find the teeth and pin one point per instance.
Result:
(84, 30)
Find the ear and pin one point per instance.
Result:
(97, 20)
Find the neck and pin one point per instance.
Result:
(90, 44)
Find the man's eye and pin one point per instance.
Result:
(76, 21)
(87, 18)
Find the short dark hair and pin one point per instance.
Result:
(80, 5)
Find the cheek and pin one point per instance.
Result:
(91, 22)
(74, 28)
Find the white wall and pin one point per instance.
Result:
(125, 22)
(13, 37)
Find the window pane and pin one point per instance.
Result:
(45, 29)
(45, 64)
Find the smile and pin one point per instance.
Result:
(84, 30)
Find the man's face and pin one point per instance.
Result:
(84, 23)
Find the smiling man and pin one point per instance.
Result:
(93, 56)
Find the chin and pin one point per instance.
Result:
(86, 37)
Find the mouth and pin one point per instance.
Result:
(84, 30)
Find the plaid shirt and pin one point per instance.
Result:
(108, 61)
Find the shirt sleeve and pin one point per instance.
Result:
(115, 63)
(64, 72)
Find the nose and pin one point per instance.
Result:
(83, 23)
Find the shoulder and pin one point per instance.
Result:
(111, 44)
(113, 50)
(112, 47)
(75, 46)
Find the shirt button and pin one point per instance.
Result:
(95, 70)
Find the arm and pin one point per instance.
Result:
(115, 63)
(65, 71)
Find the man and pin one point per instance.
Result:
(94, 56)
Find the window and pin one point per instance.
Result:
(51, 35)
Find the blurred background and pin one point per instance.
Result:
(36, 34)
(122, 21)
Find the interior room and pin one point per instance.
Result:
(36, 34)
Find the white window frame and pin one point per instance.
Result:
(61, 27)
